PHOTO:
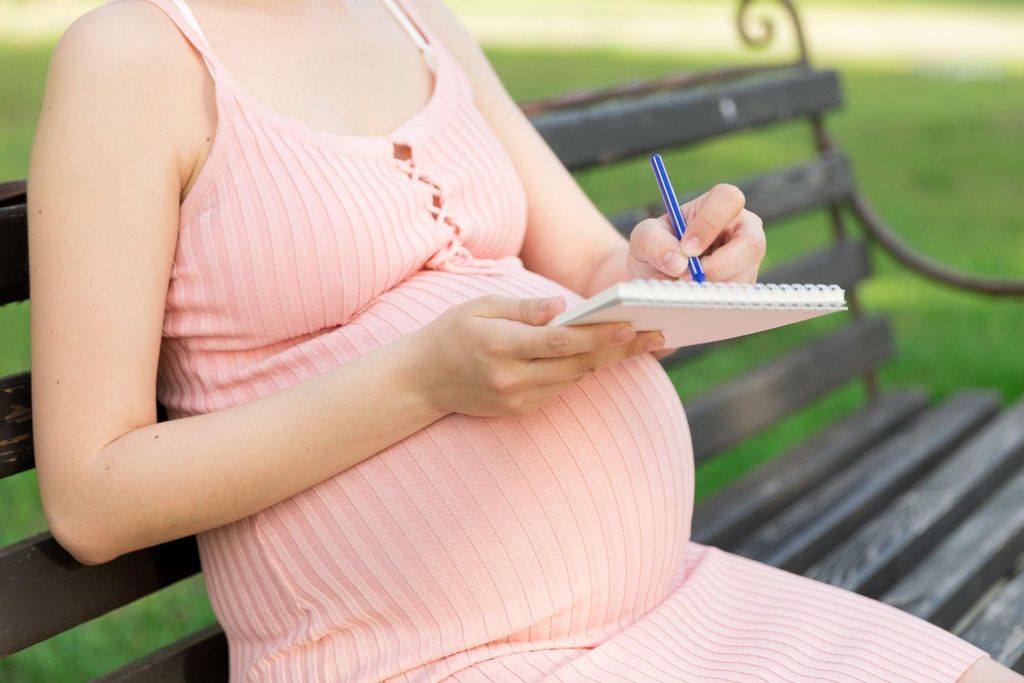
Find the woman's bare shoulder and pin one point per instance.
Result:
(127, 56)
(121, 41)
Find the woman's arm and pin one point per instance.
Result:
(109, 160)
(103, 218)
(568, 239)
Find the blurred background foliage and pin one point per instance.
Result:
(934, 123)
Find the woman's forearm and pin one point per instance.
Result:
(179, 477)
(611, 268)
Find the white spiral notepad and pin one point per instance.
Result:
(690, 313)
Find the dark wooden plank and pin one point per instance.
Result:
(946, 582)
(619, 129)
(819, 521)
(747, 404)
(199, 658)
(777, 194)
(999, 630)
(16, 449)
(13, 253)
(893, 543)
(13, 192)
(45, 591)
(738, 510)
(845, 263)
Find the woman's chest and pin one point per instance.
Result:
(294, 238)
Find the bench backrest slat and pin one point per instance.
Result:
(778, 194)
(16, 446)
(844, 263)
(48, 592)
(747, 404)
(13, 242)
(620, 129)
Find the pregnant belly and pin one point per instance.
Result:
(565, 524)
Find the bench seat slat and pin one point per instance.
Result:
(619, 129)
(820, 520)
(887, 548)
(998, 630)
(785, 192)
(747, 404)
(737, 511)
(945, 584)
(198, 658)
(51, 592)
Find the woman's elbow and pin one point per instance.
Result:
(80, 534)
(82, 543)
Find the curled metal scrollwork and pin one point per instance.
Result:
(883, 235)
(765, 32)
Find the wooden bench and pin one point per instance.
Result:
(915, 503)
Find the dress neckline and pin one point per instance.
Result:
(417, 124)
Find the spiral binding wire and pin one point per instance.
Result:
(735, 295)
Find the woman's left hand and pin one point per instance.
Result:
(729, 240)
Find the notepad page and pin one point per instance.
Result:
(691, 313)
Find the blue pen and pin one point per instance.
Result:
(668, 195)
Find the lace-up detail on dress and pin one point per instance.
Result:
(454, 257)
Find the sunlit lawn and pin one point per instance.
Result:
(940, 156)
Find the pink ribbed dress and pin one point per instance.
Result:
(553, 546)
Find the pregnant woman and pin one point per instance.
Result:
(327, 239)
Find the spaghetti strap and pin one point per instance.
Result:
(186, 21)
(416, 29)
(182, 16)
(186, 11)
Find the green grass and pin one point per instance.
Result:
(938, 156)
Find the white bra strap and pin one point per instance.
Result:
(402, 18)
(186, 11)
(190, 18)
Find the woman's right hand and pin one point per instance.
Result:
(495, 356)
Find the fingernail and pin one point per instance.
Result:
(624, 333)
(691, 246)
(674, 263)
(654, 343)
(545, 305)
